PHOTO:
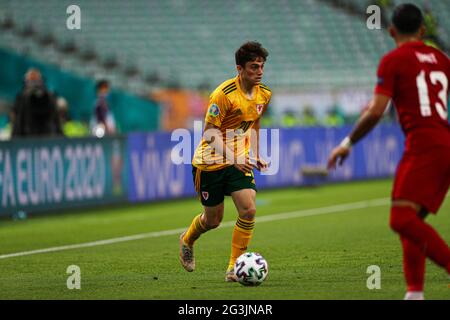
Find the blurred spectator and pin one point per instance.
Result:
(334, 117)
(34, 112)
(71, 128)
(431, 37)
(103, 122)
(289, 119)
(309, 118)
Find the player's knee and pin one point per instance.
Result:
(212, 224)
(423, 213)
(401, 217)
(248, 213)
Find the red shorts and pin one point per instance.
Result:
(423, 178)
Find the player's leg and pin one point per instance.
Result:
(419, 240)
(209, 219)
(414, 265)
(210, 189)
(406, 221)
(413, 269)
(244, 201)
(241, 187)
(421, 184)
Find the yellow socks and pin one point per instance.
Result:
(242, 233)
(195, 230)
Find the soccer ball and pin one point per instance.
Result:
(251, 269)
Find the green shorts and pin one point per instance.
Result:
(213, 186)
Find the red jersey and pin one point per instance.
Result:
(416, 77)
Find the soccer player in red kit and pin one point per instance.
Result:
(416, 77)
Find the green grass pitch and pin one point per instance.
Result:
(319, 256)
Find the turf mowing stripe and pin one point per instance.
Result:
(274, 217)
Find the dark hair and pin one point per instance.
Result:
(250, 51)
(101, 83)
(407, 18)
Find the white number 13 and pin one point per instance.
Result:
(441, 106)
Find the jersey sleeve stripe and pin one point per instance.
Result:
(265, 87)
(231, 89)
(228, 86)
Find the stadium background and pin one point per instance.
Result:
(163, 58)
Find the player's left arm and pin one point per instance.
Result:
(261, 164)
(254, 146)
(365, 124)
(254, 139)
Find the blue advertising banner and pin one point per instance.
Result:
(48, 174)
(153, 175)
(304, 153)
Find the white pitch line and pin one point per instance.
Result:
(274, 217)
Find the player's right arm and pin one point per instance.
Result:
(214, 138)
(217, 110)
(365, 124)
(370, 118)
(383, 92)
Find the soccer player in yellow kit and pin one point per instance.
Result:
(222, 165)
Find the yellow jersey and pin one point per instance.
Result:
(234, 114)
